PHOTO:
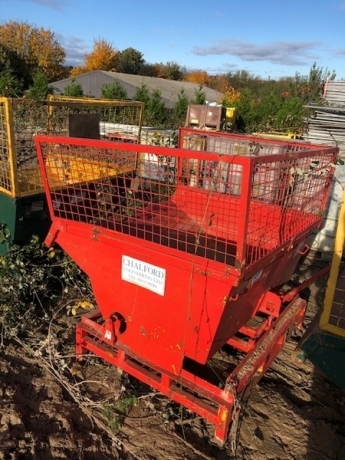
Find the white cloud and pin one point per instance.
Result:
(55, 4)
(284, 53)
(75, 50)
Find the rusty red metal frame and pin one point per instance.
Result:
(220, 245)
(205, 399)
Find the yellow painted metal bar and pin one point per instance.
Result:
(4, 147)
(12, 157)
(95, 101)
(63, 169)
(340, 332)
(98, 102)
(277, 135)
(50, 113)
(333, 276)
(142, 105)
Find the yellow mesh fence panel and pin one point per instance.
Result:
(6, 173)
(116, 120)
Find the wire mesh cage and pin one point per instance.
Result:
(227, 208)
(22, 119)
(185, 249)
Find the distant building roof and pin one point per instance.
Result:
(93, 81)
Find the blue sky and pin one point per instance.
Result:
(270, 38)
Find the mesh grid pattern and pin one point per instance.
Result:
(118, 120)
(6, 184)
(295, 187)
(155, 195)
(225, 208)
(287, 197)
(231, 144)
(337, 313)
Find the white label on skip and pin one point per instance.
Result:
(143, 274)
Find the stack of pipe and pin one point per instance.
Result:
(326, 125)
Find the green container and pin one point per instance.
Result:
(327, 352)
(24, 217)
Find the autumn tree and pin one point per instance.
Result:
(218, 82)
(198, 76)
(150, 70)
(102, 57)
(75, 71)
(35, 46)
(171, 71)
(230, 97)
(130, 61)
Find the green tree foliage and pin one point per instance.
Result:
(155, 112)
(129, 61)
(74, 89)
(114, 91)
(246, 114)
(142, 94)
(40, 87)
(242, 79)
(317, 78)
(277, 104)
(268, 113)
(171, 71)
(199, 96)
(11, 63)
(150, 70)
(9, 85)
(180, 109)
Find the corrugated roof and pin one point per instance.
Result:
(93, 81)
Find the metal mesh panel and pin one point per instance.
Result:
(337, 313)
(287, 197)
(28, 119)
(6, 183)
(226, 208)
(118, 120)
(156, 198)
(232, 144)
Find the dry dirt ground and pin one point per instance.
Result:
(51, 408)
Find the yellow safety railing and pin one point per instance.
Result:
(332, 318)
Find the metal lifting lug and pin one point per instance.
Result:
(109, 331)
